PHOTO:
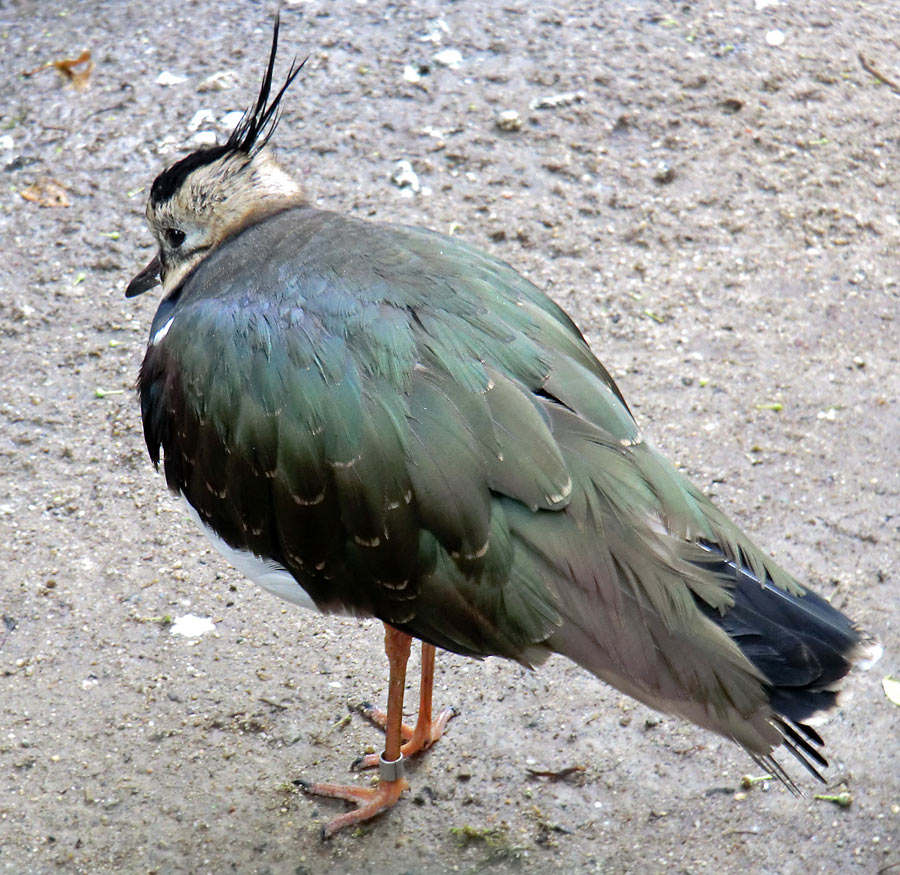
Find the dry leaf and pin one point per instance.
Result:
(891, 688)
(66, 69)
(46, 193)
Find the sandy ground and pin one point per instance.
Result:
(716, 206)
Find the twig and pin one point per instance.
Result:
(112, 108)
(867, 66)
(561, 775)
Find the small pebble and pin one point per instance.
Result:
(448, 58)
(664, 173)
(192, 626)
(405, 177)
(775, 38)
(224, 80)
(199, 117)
(166, 78)
(556, 100)
(509, 120)
(230, 120)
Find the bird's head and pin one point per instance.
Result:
(210, 195)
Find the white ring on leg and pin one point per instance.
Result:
(390, 770)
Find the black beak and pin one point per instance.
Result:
(145, 280)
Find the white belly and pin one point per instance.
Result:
(269, 575)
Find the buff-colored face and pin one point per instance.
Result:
(212, 203)
(205, 198)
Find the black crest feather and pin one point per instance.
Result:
(259, 122)
(253, 131)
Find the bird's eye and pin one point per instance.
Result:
(174, 237)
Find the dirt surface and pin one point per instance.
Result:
(716, 206)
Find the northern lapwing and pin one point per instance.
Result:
(382, 421)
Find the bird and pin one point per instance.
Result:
(381, 421)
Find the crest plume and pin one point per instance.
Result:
(259, 122)
(252, 133)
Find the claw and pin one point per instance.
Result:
(369, 801)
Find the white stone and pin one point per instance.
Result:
(199, 117)
(448, 58)
(192, 626)
(205, 138)
(405, 177)
(167, 78)
(231, 119)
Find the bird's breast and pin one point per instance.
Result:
(271, 576)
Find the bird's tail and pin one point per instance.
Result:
(804, 647)
(760, 667)
(800, 643)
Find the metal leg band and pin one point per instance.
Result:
(390, 771)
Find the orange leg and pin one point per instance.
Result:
(426, 731)
(391, 783)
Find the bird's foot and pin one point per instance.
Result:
(416, 738)
(369, 801)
